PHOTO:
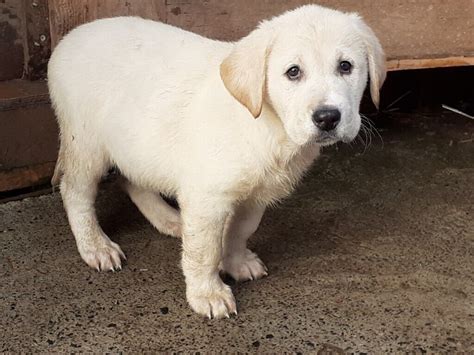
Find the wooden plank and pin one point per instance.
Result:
(422, 30)
(64, 15)
(19, 178)
(408, 29)
(28, 134)
(16, 94)
(38, 48)
(28, 129)
(11, 39)
(408, 64)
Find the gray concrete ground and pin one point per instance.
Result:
(373, 253)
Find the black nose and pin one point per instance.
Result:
(326, 118)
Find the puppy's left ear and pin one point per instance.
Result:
(244, 70)
(375, 58)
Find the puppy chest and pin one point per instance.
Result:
(277, 183)
(279, 179)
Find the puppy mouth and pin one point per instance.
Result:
(327, 138)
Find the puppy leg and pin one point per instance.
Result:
(239, 262)
(203, 227)
(162, 216)
(78, 190)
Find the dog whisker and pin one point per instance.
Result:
(371, 126)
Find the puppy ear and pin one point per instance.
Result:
(243, 71)
(376, 60)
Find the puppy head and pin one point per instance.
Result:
(311, 65)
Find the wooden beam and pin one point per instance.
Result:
(408, 64)
(38, 40)
(18, 178)
(11, 39)
(28, 134)
(16, 94)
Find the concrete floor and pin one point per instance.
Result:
(373, 253)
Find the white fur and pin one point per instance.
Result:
(175, 113)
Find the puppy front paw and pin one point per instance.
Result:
(105, 256)
(218, 302)
(244, 266)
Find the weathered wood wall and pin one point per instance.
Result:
(423, 33)
(25, 44)
(38, 40)
(414, 33)
(11, 40)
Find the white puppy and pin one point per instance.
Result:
(226, 128)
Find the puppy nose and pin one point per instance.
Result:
(326, 118)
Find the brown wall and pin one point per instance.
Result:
(409, 30)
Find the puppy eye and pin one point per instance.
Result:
(345, 67)
(293, 73)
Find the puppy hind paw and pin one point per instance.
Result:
(245, 267)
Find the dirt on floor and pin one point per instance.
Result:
(373, 253)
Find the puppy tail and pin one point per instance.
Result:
(58, 169)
